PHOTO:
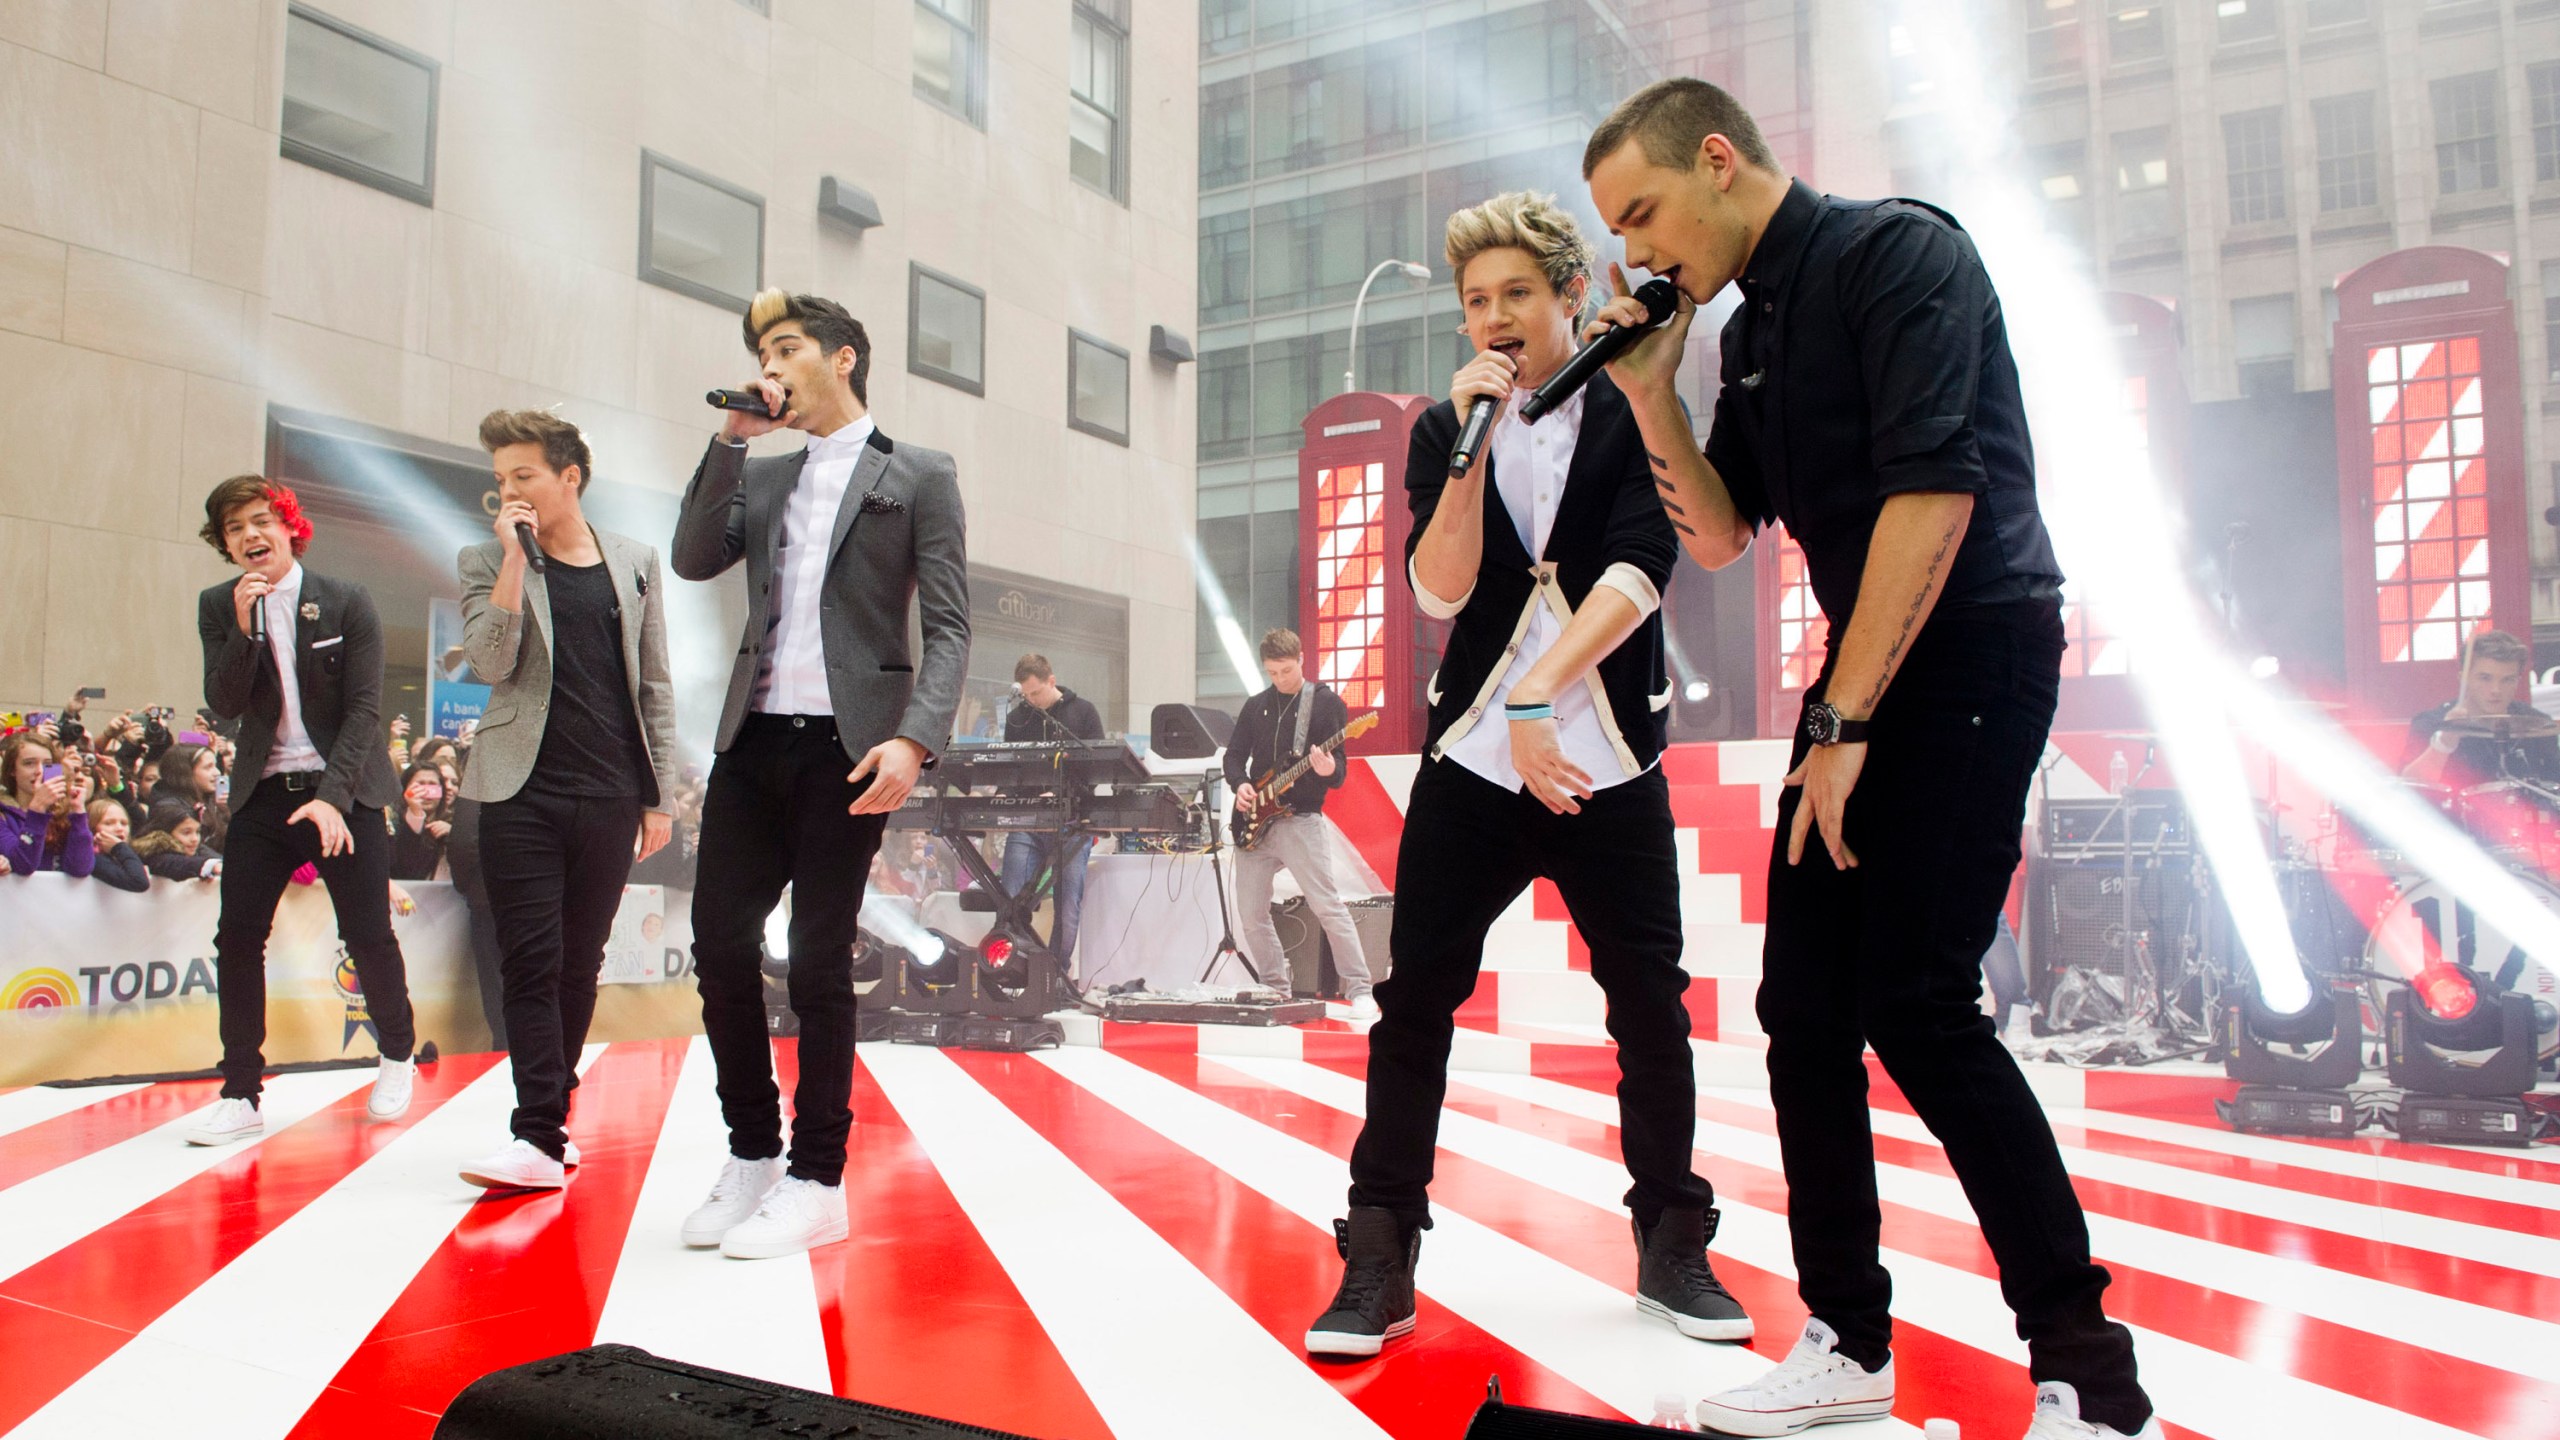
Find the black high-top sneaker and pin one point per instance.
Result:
(1375, 1303)
(1675, 1282)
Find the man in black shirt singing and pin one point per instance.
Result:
(1869, 403)
(574, 767)
(1050, 712)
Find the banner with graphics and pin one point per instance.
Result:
(96, 981)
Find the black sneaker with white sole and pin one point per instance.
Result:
(1675, 1282)
(1375, 1303)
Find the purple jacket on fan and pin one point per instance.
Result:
(22, 843)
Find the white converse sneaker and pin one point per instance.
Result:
(229, 1121)
(521, 1166)
(569, 1155)
(2057, 1417)
(1364, 1007)
(1814, 1385)
(391, 1089)
(734, 1196)
(796, 1215)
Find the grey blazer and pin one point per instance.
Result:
(899, 537)
(512, 651)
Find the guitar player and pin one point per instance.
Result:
(1274, 732)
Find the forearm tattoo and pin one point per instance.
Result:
(1919, 605)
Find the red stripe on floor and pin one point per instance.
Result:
(27, 1153)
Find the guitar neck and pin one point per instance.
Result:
(1289, 777)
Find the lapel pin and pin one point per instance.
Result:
(310, 609)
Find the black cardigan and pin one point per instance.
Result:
(1609, 513)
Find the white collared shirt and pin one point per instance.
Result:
(795, 657)
(1530, 465)
(293, 751)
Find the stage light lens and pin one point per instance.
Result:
(1698, 690)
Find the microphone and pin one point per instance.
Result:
(1659, 300)
(533, 555)
(258, 621)
(1471, 439)
(751, 401)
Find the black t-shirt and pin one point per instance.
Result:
(591, 744)
(414, 853)
(2475, 760)
(1869, 359)
(1265, 736)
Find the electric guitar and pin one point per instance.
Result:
(1246, 826)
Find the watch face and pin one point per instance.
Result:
(1821, 724)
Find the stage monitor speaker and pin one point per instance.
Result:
(1188, 732)
(1310, 954)
(2076, 915)
(619, 1392)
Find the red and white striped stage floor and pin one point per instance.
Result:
(1128, 1240)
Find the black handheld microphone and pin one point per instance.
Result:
(1471, 439)
(258, 621)
(751, 401)
(1659, 300)
(533, 555)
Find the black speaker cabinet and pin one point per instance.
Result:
(620, 1392)
(1310, 954)
(2076, 915)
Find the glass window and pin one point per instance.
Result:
(1226, 266)
(1097, 64)
(1226, 26)
(359, 106)
(2430, 497)
(2262, 343)
(946, 330)
(2053, 39)
(950, 57)
(1097, 387)
(2142, 185)
(2239, 21)
(1226, 403)
(699, 236)
(1503, 69)
(1317, 250)
(2253, 154)
(2317, 13)
(2059, 180)
(2551, 316)
(2137, 31)
(2350, 164)
(2466, 116)
(2544, 81)
(1226, 133)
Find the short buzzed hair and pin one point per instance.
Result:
(1281, 643)
(563, 444)
(1669, 118)
(825, 321)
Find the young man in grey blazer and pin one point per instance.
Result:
(574, 765)
(839, 539)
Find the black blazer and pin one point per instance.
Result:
(1609, 513)
(338, 662)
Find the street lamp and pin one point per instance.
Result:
(1351, 362)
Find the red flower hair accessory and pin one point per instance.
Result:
(288, 510)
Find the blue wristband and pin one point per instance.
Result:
(1528, 712)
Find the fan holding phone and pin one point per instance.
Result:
(44, 820)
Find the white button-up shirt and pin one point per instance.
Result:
(293, 751)
(795, 660)
(1530, 463)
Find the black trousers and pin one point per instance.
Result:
(264, 852)
(554, 867)
(462, 858)
(775, 815)
(1889, 955)
(1469, 848)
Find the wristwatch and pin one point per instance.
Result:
(1823, 725)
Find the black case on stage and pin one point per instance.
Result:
(621, 1392)
(1495, 1420)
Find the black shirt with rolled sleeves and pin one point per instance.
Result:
(1869, 359)
(591, 744)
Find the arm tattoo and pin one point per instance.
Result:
(1683, 527)
(1670, 497)
(1657, 461)
(1911, 617)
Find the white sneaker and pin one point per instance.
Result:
(1365, 1007)
(734, 1196)
(391, 1090)
(2057, 1417)
(228, 1122)
(521, 1166)
(570, 1156)
(796, 1215)
(1814, 1385)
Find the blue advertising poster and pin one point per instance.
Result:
(455, 696)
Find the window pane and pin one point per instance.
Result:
(1226, 403)
(2253, 151)
(2142, 184)
(2316, 13)
(1099, 398)
(2551, 315)
(2466, 114)
(2262, 343)
(1226, 271)
(2350, 165)
(946, 54)
(2057, 174)
(2053, 39)
(703, 239)
(950, 326)
(2238, 20)
(2545, 83)
(2137, 32)
(358, 108)
(1226, 115)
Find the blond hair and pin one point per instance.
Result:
(1520, 220)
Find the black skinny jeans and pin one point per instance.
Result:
(1890, 955)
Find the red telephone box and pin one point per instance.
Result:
(1363, 635)
(2431, 489)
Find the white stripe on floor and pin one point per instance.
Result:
(1588, 1332)
(229, 1360)
(2411, 1316)
(2212, 1393)
(71, 1201)
(39, 1103)
(1160, 1349)
(749, 1317)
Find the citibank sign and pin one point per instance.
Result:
(1015, 605)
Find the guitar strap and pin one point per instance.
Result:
(1306, 698)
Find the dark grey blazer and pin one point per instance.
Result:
(338, 664)
(511, 649)
(899, 537)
